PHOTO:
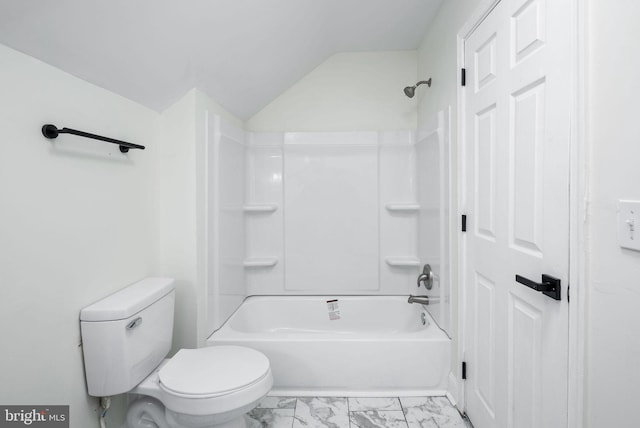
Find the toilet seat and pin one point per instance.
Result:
(212, 371)
(214, 379)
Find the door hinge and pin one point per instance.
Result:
(463, 77)
(464, 370)
(568, 288)
(464, 222)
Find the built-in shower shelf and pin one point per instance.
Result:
(260, 262)
(260, 208)
(405, 207)
(403, 262)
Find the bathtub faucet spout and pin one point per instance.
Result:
(423, 300)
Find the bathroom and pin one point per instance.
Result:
(80, 220)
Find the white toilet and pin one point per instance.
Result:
(126, 338)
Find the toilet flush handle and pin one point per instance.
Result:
(135, 323)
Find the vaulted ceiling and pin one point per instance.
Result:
(243, 53)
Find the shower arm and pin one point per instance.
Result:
(410, 91)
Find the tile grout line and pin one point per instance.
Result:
(295, 407)
(404, 415)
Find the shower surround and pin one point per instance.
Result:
(298, 220)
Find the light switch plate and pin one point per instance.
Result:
(629, 224)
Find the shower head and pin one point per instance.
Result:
(410, 91)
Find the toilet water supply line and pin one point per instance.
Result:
(105, 403)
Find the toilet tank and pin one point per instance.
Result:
(126, 335)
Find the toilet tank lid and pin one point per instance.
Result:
(128, 301)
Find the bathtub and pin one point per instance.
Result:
(343, 345)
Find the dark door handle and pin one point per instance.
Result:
(549, 286)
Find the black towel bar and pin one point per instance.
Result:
(51, 131)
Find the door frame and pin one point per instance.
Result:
(578, 193)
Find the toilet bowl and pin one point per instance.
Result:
(126, 338)
(206, 387)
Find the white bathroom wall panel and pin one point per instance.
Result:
(331, 231)
(331, 212)
(264, 228)
(433, 169)
(398, 226)
(226, 243)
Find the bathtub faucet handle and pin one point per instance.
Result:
(426, 277)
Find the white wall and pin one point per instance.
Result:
(176, 212)
(77, 222)
(351, 91)
(613, 90)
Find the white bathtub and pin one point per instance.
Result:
(377, 347)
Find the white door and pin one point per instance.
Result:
(516, 197)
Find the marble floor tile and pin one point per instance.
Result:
(361, 404)
(423, 412)
(270, 418)
(319, 412)
(277, 403)
(378, 419)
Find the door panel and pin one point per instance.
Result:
(484, 342)
(526, 147)
(485, 179)
(528, 29)
(525, 337)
